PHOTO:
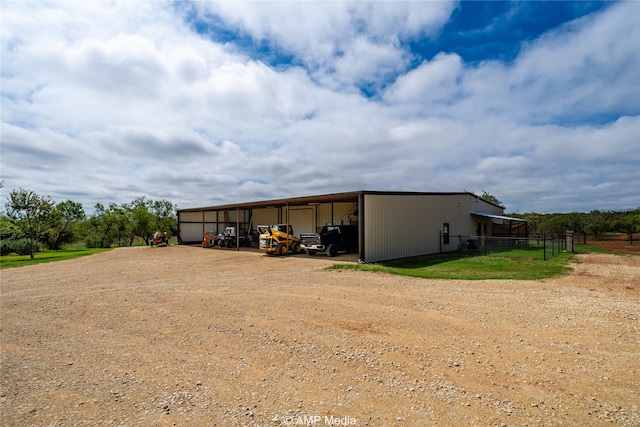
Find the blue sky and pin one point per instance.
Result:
(495, 30)
(205, 103)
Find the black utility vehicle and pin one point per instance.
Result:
(332, 238)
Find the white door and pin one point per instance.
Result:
(302, 220)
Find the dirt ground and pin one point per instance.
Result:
(619, 246)
(188, 336)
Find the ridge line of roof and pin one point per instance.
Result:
(319, 197)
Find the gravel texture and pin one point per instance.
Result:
(213, 337)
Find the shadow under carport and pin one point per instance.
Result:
(341, 257)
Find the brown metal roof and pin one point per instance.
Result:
(351, 196)
(292, 201)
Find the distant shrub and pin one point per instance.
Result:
(17, 246)
(5, 247)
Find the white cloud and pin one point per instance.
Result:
(107, 102)
(432, 82)
(348, 41)
(507, 166)
(365, 62)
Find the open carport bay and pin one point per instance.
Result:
(190, 336)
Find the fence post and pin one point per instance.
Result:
(544, 246)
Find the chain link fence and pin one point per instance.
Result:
(542, 247)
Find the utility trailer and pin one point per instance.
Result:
(160, 238)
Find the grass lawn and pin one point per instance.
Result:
(515, 264)
(9, 261)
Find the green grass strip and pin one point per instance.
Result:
(13, 261)
(516, 264)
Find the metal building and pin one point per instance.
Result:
(390, 225)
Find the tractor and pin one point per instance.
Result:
(278, 240)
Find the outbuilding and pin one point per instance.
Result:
(391, 225)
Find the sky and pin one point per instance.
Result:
(208, 103)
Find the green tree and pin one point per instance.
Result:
(30, 215)
(491, 198)
(596, 224)
(121, 226)
(65, 216)
(629, 224)
(8, 234)
(533, 223)
(166, 219)
(546, 225)
(575, 221)
(108, 225)
(141, 220)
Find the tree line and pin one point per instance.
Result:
(31, 222)
(595, 223)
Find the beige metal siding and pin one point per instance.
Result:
(336, 214)
(265, 216)
(399, 226)
(301, 219)
(191, 232)
(190, 216)
(476, 204)
(190, 226)
(231, 216)
(323, 216)
(212, 227)
(344, 212)
(210, 216)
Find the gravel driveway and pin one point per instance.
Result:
(188, 336)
